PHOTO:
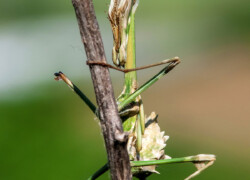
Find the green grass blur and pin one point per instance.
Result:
(46, 132)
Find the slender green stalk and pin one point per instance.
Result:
(145, 86)
(88, 102)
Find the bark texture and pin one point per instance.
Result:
(115, 139)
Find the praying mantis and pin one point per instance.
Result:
(146, 142)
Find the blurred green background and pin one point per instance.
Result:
(46, 132)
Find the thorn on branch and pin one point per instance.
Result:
(121, 137)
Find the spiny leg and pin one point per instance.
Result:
(199, 170)
(138, 134)
(142, 116)
(101, 63)
(60, 76)
(194, 159)
(200, 158)
(100, 172)
(145, 86)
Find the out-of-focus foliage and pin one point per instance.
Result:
(46, 132)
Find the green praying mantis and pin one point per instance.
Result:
(146, 142)
(201, 161)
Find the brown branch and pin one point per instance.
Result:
(115, 138)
